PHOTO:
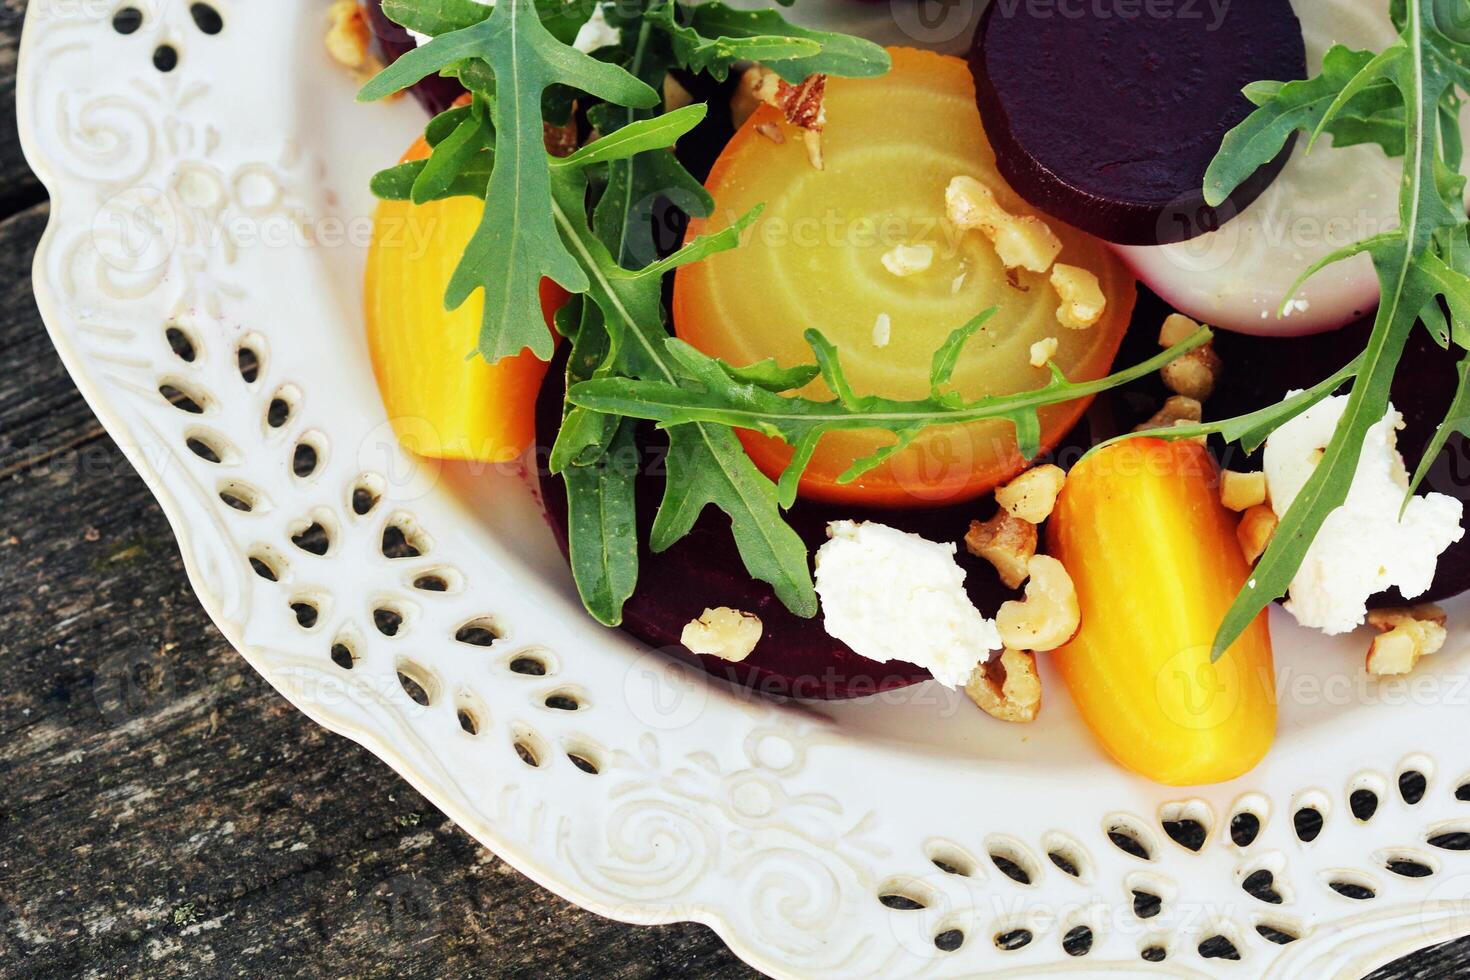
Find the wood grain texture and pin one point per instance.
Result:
(162, 811)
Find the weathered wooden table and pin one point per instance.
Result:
(162, 811)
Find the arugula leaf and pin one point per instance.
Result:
(771, 376)
(397, 183)
(657, 133)
(1287, 107)
(1457, 420)
(435, 17)
(1249, 430)
(636, 183)
(453, 155)
(602, 526)
(947, 357)
(584, 435)
(721, 395)
(563, 18)
(516, 243)
(461, 163)
(1419, 264)
(711, 37)
(706, 463)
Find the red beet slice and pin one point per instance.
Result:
(435, 93)
(1107, 117)
(796, 657)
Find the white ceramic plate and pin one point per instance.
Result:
(223, 204)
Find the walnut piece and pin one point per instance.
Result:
(1022, 242)
(1242, 491)
(1177, 328)
(1042, 351)
(1007, 542)
(1081, 294)
(1177, 409)
(1049, 615)
(724, 632)
(1384, 620)
(1193, 375)
(812, 140)
(1254, 532)
(908, 260)
(1032, 495)
(803, 106)
(1405, 636)
(1007, 687)
(349, 39)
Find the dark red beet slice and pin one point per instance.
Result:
(1261, 370)
(434, 93)
(1107, 118)
(796, 657)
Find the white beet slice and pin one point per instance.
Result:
(1237, 277)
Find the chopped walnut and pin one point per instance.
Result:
(1406, 635)
(1081, 295)
(1007, 687)
(1194, 374)
(1242, 491)
(1049, 615)
(349, 39)
(1022, 242)
(1177, 409)
(1254, 532)
(724, 632)
(1043, 351)
(1007, 542)
(908, 260)
(1177, 328)
(812, 140)
(1032, 495)
(802, 105)
(1384, 620)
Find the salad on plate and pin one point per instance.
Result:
(1084, 338)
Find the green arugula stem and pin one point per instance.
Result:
(675, 404)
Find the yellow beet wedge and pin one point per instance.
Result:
(444, 400)
(1155, 561)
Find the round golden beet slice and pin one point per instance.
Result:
(814, 258)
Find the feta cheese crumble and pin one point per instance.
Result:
(1363, 547)
(891, 595)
